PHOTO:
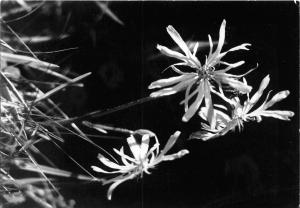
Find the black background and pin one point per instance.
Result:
(255, 168)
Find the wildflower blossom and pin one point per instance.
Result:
(202, 77)
(242, 113)
(144, 158)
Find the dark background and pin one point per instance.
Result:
(255, 168)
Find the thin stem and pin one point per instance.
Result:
(100, 113)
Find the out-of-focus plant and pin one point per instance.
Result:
(25, 109)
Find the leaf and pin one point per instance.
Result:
(3, 43)
(60, 87)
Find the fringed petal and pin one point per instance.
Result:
(174, 54)
(210, 45)
(240, 86)
(100, 170)
(230, 66)
(144, 146)
(221, 37)
(186, 100)
(117, 183)
(208, 103)
(258, 94)
(203, 135)
(177, 38)
(240, 47)
(195, 49)
(172, 140)
(169, 81)
(282, 115)
(124, 157)
(172, 90)
(177, 155)
(134, 147)
(277, 98)
(109, 163)
(196, 104)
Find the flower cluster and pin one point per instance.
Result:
(142, 158)
(200, 82)
(203, 78)
(242, 113)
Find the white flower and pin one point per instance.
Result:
(202, 78)
(242, 113)
(142, 159)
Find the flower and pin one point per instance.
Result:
(241, 113)
(201, 79)
(144, 158)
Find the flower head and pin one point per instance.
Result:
(200, 81)
(242, 113)
(142, 158)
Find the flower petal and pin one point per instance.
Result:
(169, 81)
(134, 147)
(196, 104)
(186, 97)
(100, 170)
(144, 146)
(124, 157)
(195, 48)
(210, 45)
(240, 86)
(240, 47)
(177, 38)
(221, 37)
(109, 163)
(277, 98)
(282, 115)
(230, 66)
(214, 58)
(208, 103)
(174, 89)
(263, 85)
(116, 183)
(177, 155)
(174, 54)
(172, 140)
(203, 135)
